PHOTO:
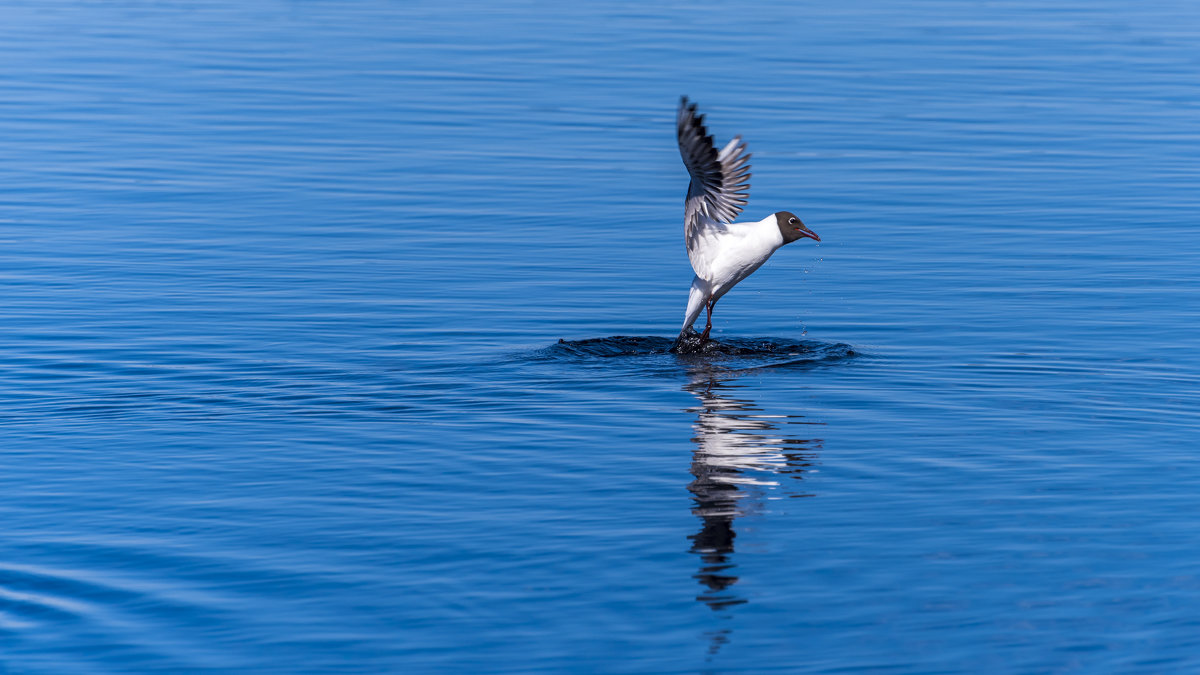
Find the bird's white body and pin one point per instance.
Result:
(723, 255)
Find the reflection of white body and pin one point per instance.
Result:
(727, 254)
(731, 440)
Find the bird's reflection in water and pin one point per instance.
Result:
(743, 458)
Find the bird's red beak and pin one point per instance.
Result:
(805, 232)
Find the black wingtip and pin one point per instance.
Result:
(685, 104)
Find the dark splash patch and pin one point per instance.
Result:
(726, 354)
(691, 344)
(618, 345)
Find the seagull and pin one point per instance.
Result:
(722, 252)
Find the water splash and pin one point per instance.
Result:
(728, 354)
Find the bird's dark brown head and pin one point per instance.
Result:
(792, 229)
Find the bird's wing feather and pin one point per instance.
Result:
(720, 180)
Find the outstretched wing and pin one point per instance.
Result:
(720, 180)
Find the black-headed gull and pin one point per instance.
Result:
(722, 252)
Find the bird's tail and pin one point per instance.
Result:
(696, 299)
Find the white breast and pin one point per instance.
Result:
(741, 250)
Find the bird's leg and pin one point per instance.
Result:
(708, 325)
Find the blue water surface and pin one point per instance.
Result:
(333, 338)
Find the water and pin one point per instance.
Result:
(334, 339)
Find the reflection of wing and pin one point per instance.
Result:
(720, 181)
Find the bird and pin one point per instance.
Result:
(722, 252)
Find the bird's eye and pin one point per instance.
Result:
(792, 221)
